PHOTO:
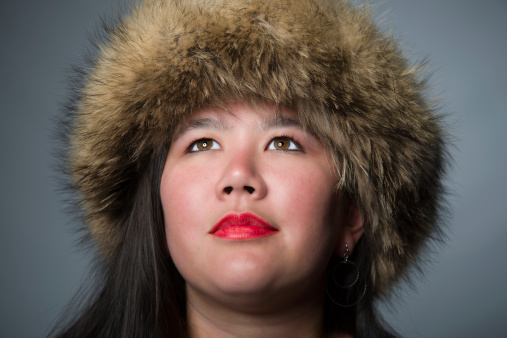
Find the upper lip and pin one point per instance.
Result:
(242, 219)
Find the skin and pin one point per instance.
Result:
(264, 287)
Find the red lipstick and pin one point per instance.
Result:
(242, 226)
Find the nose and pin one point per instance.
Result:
(241, 177)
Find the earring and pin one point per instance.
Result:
(348, 284)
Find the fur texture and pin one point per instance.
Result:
(349, 83)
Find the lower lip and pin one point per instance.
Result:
(242, 232)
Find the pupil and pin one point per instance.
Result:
(282, 144)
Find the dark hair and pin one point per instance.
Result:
(140, 293)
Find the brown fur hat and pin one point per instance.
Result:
(325, 58)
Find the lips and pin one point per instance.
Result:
(242, 227)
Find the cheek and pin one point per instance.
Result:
(310, 204)
(307, 191)
(183, 191)
(183, 197)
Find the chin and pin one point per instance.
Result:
(246, 274)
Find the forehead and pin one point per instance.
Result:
(260, 116)
(262, 111)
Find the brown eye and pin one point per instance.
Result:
(203, 145)
(283, 143)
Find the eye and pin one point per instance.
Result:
(203, 145)
(284, 143)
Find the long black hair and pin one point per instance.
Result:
(139, 292)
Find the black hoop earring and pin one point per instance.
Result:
(349, 283)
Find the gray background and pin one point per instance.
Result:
(462, 294)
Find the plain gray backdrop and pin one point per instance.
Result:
(463, 292)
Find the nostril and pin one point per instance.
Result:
(228, 190)
(249, 189)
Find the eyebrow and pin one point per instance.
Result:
(276, 121)
(280, 121)
(202, 123)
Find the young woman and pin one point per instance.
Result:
(250, 169)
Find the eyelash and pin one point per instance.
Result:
(292, 140)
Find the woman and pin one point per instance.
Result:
(250, 168)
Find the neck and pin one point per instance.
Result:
(304, 318)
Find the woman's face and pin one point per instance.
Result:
(250, 205)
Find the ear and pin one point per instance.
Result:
(352, 223)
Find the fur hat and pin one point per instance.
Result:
(325, 58)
